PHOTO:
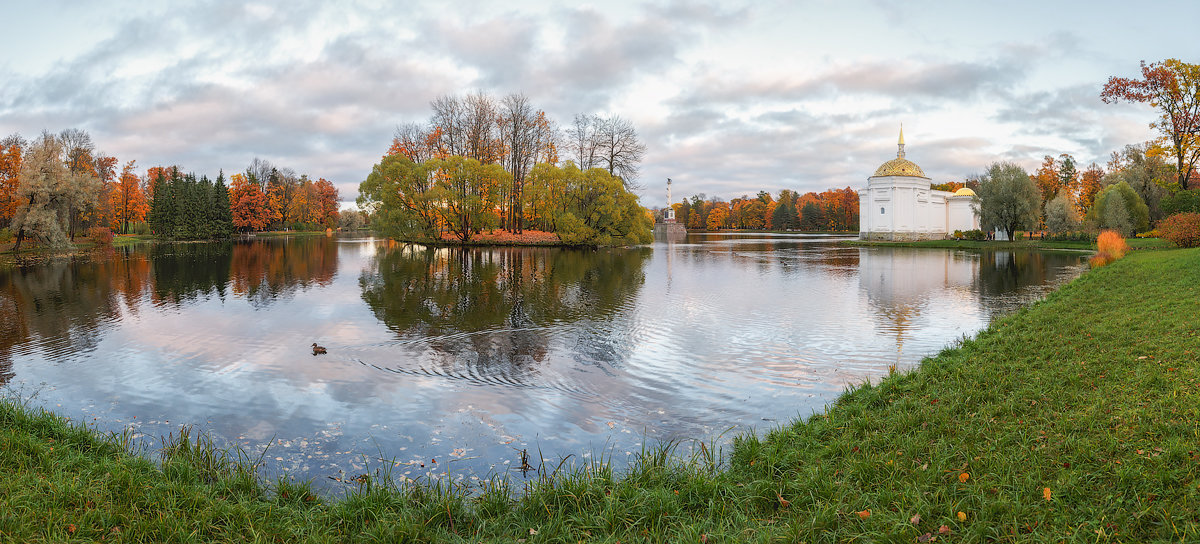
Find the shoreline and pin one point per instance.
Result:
(1043, 427)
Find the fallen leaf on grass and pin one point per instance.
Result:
(1046, 493)
(864, 514)
(962, 516)
(533, 531)
(943, 530)
(782, 501)
(925, 537)
(962, 478)
(916, 519)
(71, 529)
(704, 538)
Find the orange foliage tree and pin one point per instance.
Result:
(10, 173)
(248, 204)
(1173, 88)
(1089, 186)
(126, 200)
(326, 203)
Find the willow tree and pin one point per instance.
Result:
(1008, 198)
(467, 193)
(400, 192)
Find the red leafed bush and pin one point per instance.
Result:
(100, 236)
(1182, 229)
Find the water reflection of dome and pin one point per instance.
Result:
(900, 282)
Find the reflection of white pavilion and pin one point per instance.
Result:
(899, 282)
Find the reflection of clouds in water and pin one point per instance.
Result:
(471, 355)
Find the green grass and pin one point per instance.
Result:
(1093, 394)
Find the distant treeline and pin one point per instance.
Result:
(834, 210)
(59, 185)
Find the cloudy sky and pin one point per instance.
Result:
(729, 97)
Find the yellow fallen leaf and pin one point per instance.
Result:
(1046, 493)
(962, 478)
(962, 516)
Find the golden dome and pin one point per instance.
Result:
(964, 192)
(900, 166)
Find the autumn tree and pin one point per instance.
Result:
(79, 155)
(399, 193)
(1089, 185)
(1145, 169)
(718, 216)
(519, 133)
(47, 192)
(467, 192)
(127, 201)
(1173, 88)
(12, 149)
(1047, 180)
(248, 204)
(1009, 199)
(326, 203)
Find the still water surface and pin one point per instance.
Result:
(468, 356)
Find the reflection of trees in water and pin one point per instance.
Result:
(446, 297)
(1002, 272)
(264, 270)
(60, 305)
(184, 272)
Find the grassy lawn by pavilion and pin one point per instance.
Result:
(1076, 419)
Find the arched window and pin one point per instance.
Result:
(881, 212)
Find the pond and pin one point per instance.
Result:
(455, 360)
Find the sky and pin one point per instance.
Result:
(730, 98)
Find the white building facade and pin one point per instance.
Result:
(898, 204)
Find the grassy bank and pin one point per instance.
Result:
(1076, 419)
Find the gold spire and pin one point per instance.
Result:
(900, 154)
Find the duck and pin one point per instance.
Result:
(318, 350)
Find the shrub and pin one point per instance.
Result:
(975, 234)
(1110, 246)
(6, 236)
(1119, 207)
(1182, 229)
(101, 236)
(1100, 259)
(1180, 202)
(957, 235)
(1019, 236)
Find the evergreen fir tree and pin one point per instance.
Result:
(222, 215)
